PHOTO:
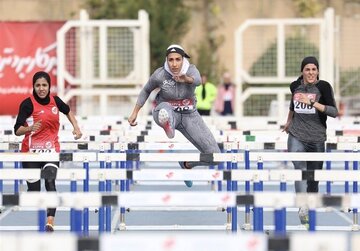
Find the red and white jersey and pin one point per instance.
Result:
(45, 139)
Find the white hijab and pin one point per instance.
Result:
(184, 68)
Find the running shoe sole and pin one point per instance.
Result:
(49, 228)
(164, 121)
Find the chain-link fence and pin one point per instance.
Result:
(103, 63)
(269, 53)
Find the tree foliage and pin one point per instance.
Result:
(168, 20)
(308, 8)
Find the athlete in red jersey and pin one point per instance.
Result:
(38, 120)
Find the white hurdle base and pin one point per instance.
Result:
(177, 227)
(36, 228)
(225, 227)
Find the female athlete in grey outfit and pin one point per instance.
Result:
(176, 103)
(312, 101)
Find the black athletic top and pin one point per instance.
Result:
(309, 124)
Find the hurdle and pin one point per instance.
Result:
(276, 157)
(60, 174)
(234, 175)
(338, 143)
(181, 241)
(216, 157)
(68, 146)
(65, 174)
(228, 147)
(345, 175)
(71, 146)
(174, 199)
(109, 157)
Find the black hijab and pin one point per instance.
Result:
(37, 75)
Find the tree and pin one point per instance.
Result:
(307, 8)
(168, 20)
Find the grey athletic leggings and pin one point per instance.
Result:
(193, 127)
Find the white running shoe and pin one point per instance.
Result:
(304, 216)
(164, 120)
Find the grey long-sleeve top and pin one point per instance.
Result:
(308, 124)
(169, 88)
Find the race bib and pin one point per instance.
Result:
(42, 150)
(46, 147)
(182, 105)
(300, 107)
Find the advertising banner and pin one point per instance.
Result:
(25, 48)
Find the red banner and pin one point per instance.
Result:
(25, 48)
